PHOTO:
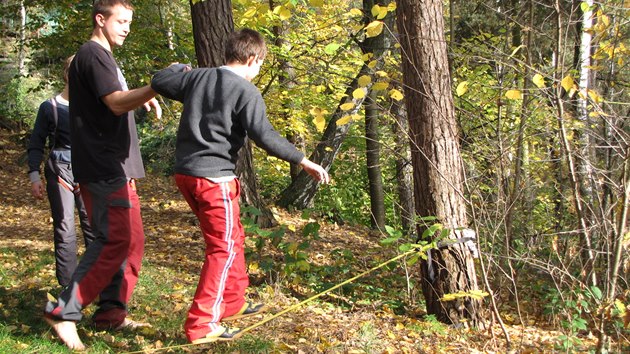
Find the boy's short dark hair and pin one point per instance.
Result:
(244, 44)
(104, 7)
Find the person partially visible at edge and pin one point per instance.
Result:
(53, 125)
(106, 162)
(221, 108)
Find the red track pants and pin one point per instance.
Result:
(223, 280)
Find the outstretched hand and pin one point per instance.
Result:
(316, 171)
(153, 102)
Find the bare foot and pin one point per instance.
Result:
(67, 332)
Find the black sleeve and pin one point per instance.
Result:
(43, 129)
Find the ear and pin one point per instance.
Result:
(100, 20)
(252, 60)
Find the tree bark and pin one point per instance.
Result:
(300, 193)
(378, 46)
(212, 21)
(287, 81)
(404, 172)
(22, 45)
(436, 160)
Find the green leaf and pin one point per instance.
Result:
(389, 240)
(597, 292)
(331, 48)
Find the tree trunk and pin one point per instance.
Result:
(300, 193)
(378, 46)
(212, 22)
(287, 81)
(437, 164)
(404, 172)
(586, 156)
(22, 45)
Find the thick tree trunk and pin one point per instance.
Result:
(212, 22)
(437, 164)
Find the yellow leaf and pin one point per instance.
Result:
(381, 73)
(461, 89)
(284, 13)
(320, 123)
(344, 120)
(594, 96)
(567, 83)
(316, 111)
(392, 6)
(395, 94)
(379, 12)
(364, 80)
(355, 117)
(372, 64)
(514, 94)
(373, 29)
(250, 13)
(376, 10)
(379, 86)
(358, 93)
(356, 12)
(367, 56)
(316, 3)
(51, 298)
(291, 227)
(347, 106)
(539, 80)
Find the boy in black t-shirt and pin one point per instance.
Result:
(106, 161)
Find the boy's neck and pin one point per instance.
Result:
(238, 68)
(99, 38)
(64, 93)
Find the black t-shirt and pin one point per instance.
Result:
(104, 145)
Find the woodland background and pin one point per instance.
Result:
(539, 91)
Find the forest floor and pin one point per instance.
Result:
(376, 315)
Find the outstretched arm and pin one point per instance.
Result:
(316, 171)
(121, 102)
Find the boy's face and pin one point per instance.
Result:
(116, 26)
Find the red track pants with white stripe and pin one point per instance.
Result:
(223, 280)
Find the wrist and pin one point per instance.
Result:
(34, 176)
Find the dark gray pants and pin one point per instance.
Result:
(64, 197)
